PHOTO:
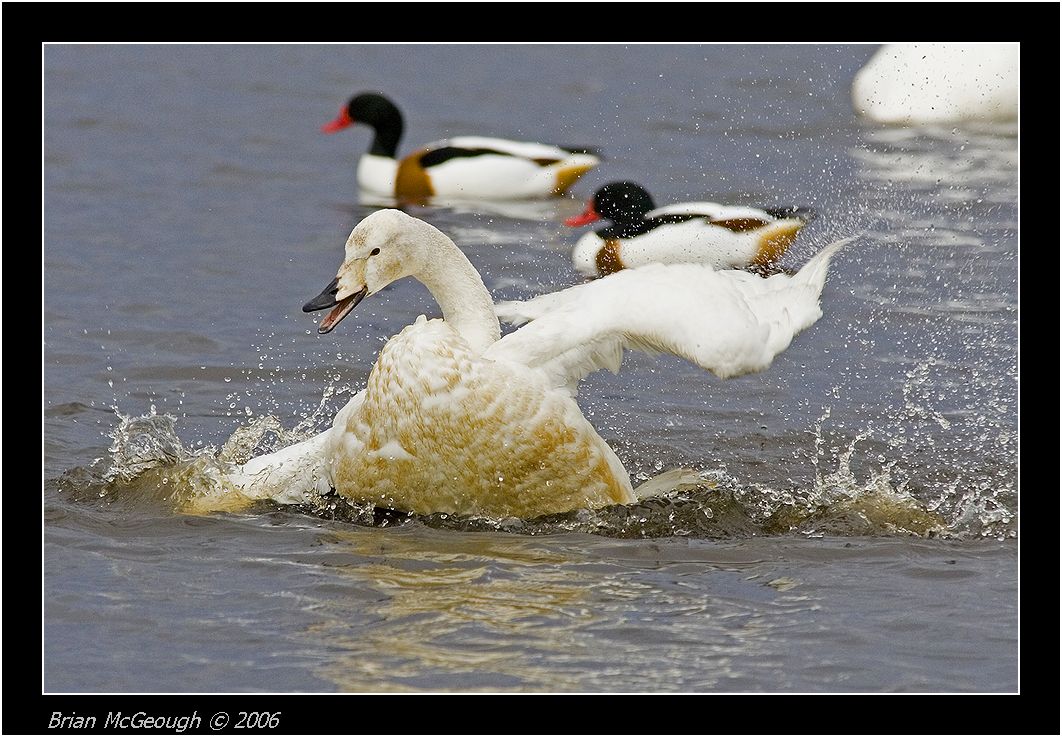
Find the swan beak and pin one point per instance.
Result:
(342, 121)
(325, 299)
(589, 215)
(340, 308)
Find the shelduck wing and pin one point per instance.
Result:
(522, 149)
(478, 168)
(711, 210)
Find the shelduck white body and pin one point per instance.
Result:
(939, 82)
(464, 167)
(454, 419)
(721, 236)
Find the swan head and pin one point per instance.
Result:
(384, 247)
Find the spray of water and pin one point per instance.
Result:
(148, 464)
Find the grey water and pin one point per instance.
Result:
(857, 528)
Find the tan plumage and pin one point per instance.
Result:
(443, 430)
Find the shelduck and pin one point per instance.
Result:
(721, 236)
(467, 167)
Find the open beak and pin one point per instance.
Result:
(589, 215)
(340, 308)
(342, 121)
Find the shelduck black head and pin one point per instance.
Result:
(375, 111)
(620, 202)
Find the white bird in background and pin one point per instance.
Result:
(455, 418)
(939, 82)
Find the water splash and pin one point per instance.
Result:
(840, 503)
(141, 443)
(850, 484)
(148, 464)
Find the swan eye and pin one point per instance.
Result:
(374, 252)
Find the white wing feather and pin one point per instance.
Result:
(293, 474)
(728, 322)
(524, 149)
(712, 210)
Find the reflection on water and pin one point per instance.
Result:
(439, 612)
(492, 613)
(552, 210)
(471, 609)
(963, 160)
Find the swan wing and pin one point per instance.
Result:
(292, 475)
(727, 322)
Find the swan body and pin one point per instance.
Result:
(456, 419)
(465, 167)
(939, 82)
(441, 429)
(722, 236)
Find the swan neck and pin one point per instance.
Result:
(456, 285)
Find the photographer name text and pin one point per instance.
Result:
(170, 723)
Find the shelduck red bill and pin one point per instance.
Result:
(588, 216)
(343, 120)
(340, 308)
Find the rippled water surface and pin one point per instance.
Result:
(851, 519)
